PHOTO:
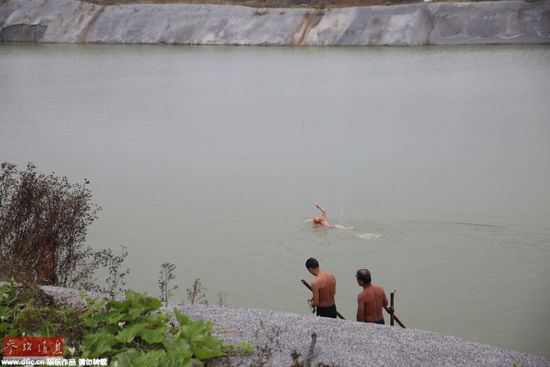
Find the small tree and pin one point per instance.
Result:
(221, 299)
(196, 294)
(115, 282)
(43, 226)
(166, 276)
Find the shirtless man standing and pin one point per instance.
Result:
(371, 300)
(324, 290)
(321, 220)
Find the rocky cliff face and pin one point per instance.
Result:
(75, 21)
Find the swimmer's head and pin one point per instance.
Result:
(316, 220)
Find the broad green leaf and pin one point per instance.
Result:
(178, 353)
(98, 345)
(115, 317)
(158, 318)
(117, 305)
(206, 353)
(198, 339)
(214, 343)
(134, 358)
(200, 327)
(182, 319)
(152, 358)
(181, 346)
(126, 358)
(175, 359)
(153, 304)
(135, 312)
(153, 336)
(127, 334)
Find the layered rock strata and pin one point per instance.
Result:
(73, 21)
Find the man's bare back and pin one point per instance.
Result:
(324, 290)
(373, 299)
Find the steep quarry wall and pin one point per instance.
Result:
(75, 21)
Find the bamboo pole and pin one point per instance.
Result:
(392, 314)
(392, 318)
(395, 317)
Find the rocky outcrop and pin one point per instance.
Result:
(23, 33)
(75, 21)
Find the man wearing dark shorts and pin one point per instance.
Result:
(327, 311)
(371, 300)
(323, 288)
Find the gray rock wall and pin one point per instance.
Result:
(75, 21)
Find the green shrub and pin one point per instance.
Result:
(130, 332)
(27, 310)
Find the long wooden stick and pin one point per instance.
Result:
(392, 318)
(309, 287)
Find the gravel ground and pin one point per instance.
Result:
(347, 343)
(339, 342)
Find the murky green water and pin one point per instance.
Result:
(212, 158)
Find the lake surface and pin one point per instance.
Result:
(212, 158)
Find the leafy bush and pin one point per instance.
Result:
(43, 223)
(130, 332)
(27, 310)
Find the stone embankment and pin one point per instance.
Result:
(339, 342)
(73, 21)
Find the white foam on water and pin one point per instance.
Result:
(370, 236)
(338, 226)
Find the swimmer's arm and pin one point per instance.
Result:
(360, 309)
(323, 211)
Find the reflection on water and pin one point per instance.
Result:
(212, 158)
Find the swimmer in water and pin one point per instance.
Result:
(321, 220)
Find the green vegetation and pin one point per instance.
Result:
(197, 293)
(27, 311)
(134, 332)
(166, 276)
(130, 332)
(43, 226)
